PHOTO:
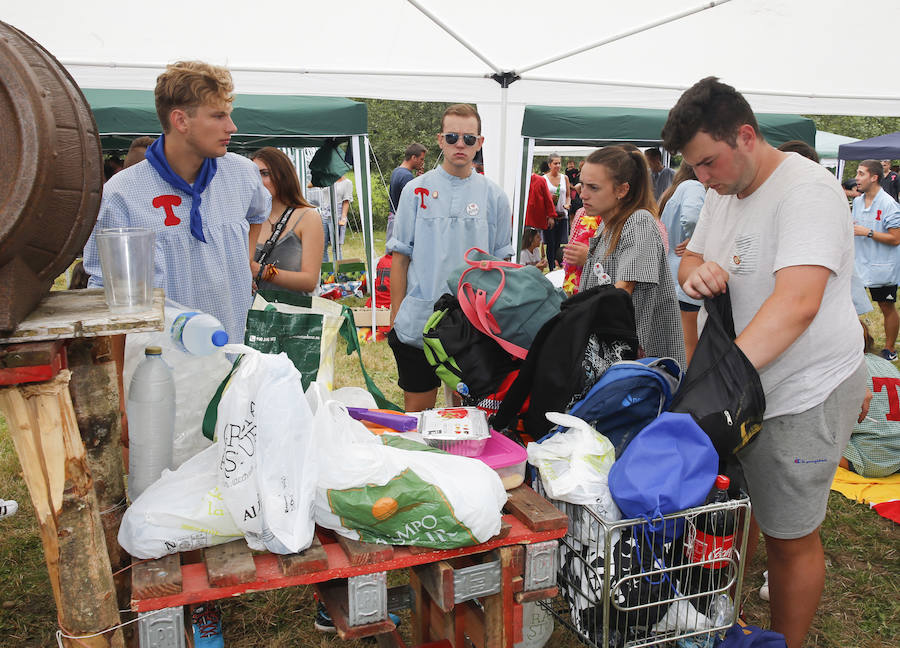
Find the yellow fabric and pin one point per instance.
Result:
(867, 490)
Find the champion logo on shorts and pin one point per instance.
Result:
(798, 460)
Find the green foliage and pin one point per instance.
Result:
(394, 125)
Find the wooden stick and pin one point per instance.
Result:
(45, 433)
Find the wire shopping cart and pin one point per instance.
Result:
(633, 583)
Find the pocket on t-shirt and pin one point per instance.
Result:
(745, 260)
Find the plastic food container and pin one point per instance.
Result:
(458, 430)
(507, 457)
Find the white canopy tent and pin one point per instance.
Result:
(501, 55)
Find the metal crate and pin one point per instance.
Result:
(609, 609)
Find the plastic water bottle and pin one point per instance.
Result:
(196, 333)
(151, 421)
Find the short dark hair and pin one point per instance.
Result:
(653, 154)
(709, 106)
(873, 167)
(414, 150)
(801, 147)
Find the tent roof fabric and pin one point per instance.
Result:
(561, 125)
(827, 144)
(883, 147)
(262, 120)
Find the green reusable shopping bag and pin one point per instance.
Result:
(308, 330)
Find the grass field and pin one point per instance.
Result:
(860, 607)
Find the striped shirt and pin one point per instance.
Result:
(641, 258)
(212, 277)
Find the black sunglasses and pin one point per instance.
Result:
(453, 138)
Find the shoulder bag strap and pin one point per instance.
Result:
(273, 239)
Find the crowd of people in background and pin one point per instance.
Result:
(769, 226)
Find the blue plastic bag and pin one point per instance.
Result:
(669, 466)
(751, 637)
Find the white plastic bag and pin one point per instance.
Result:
(264, 436)
(574, 464)
(574, 467)
(181, 511)
(392, 490)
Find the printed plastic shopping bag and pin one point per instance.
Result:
(266, 448)
(182, 510)
(389, 489)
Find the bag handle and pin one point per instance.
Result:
(477, 308)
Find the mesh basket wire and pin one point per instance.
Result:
(641, 596)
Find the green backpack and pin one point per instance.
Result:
(463, 357)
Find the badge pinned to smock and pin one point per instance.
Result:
(472, 209)
(602, 277)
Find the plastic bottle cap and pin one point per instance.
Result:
(220, 338)
(722, 482)
(153, 350)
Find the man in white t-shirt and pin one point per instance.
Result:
(775, 226)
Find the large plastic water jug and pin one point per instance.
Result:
(151, 421)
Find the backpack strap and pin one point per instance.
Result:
(476, 306)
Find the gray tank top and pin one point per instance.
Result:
(287, 255)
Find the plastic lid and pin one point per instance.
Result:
(153, 350)
(722, 482)
(500, 452)
(220, 338)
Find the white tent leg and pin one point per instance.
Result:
(362, 173)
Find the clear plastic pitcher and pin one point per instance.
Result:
(126, 260)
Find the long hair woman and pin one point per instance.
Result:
(627, 249)
(295, 260)
(680, 206)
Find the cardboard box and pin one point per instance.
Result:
(362, 316)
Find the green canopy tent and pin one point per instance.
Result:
(287, 121)
(602, 126)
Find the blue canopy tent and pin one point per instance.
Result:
(883, 147)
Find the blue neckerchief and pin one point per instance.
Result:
(157, 158)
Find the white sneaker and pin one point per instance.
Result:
(8, 508)
(764, 590)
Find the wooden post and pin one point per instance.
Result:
(44, 430)
(95, 395)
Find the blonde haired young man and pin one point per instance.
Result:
(204, 204)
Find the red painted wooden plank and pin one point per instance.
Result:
(196, 587)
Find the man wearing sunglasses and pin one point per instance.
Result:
(440, 215)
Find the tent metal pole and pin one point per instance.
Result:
(459, 39)
(335, 247)
(361, 171)
(631, 32)
(504, 105)
(525, 180)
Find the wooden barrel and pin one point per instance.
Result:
(51, 173)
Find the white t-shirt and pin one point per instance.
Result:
(530, 257)
(343, 190)
(798, 216)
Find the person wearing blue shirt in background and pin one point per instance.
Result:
(876, 226)
(413, 164)
(440, 215)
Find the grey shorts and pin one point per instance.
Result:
(790, 467)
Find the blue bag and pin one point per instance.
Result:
(669, 466)
(751, 637)
(628, 397)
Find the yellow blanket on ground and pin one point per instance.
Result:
(867, 490)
